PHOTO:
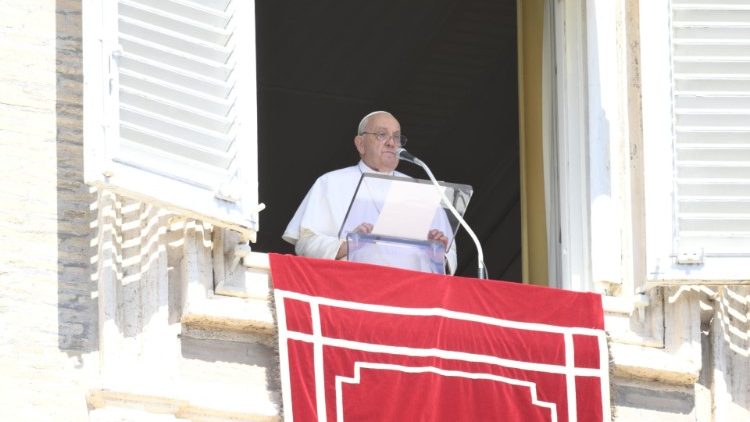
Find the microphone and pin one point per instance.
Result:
(403, 154)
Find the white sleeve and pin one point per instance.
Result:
(451, 259)
(315, 245)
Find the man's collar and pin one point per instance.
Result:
(364, 168)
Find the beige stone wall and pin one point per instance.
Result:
(58, 360)
(47, 304)
(699, 374)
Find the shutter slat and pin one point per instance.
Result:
(718, 84)
(159, 105)
(196, 28)
(723, 151)
(176, 76)
(163, 163)
(217, 99)
(735, 119)
(174, 40)
(692, 136)
(196, 11)
(689, 171)
(198, 65)
(712, 68)
(715, 187)
(726, 103)
(709, 222)
(716, 49)
(724, 33)
(728, 205)
(177, 129)
(712, 15)
(174, 146)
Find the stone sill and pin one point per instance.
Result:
(243, 308)
(641, 335)
(230, 313)
(649, 363)
(105, 401)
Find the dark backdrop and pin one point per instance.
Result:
(447, 69)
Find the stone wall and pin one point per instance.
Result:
(48, 307)
(699, 372)
(92, 299)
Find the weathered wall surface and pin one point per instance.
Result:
(167, 345)
(699, 374)
(74, 347)
(48, 312)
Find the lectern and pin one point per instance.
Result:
(402, 211)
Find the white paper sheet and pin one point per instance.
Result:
(408, 210)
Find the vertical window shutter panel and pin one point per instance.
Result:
(711, 85)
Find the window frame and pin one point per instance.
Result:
(612, 224)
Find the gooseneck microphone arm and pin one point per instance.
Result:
(406, 155)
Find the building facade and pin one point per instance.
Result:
(119, 302)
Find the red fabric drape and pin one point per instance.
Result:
(364, 342)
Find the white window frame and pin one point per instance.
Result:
(582, 189)
(564, 123)
(640, 321)
(597, 246)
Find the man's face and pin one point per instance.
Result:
(380, 156)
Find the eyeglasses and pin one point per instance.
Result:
(384, 136)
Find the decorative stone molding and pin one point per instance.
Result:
(168, 344)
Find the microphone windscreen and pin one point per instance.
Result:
(405, 155)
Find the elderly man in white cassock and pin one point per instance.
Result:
(315, 226)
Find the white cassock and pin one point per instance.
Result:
(314, 229)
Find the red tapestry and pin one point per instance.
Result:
(362, 342)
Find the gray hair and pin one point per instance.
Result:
(366, 120)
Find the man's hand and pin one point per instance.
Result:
(363, 228)
(344, 248)
(436, 234)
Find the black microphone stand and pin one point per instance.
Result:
(482, 269)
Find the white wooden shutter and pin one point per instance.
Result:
(711, 104)
(170, 105)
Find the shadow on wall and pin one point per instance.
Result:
(133, 241)
(730, 345)
(77, 306)
(133, 262)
